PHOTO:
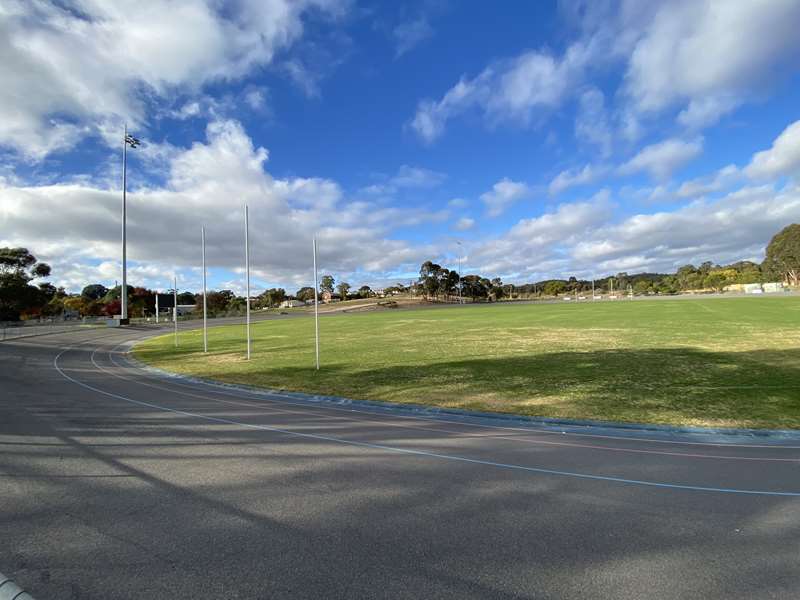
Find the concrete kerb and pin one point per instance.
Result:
(11, 591)
(567, 425)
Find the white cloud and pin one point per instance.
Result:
(464, 223)
(509, 90)
(417, 177)
(703, 112)
(574, 177)
(737, 226)
(303, 77)
(256, 98)
(410, 34)
(407, 178)
(502, 195)
(208, 184)
(706, 185)
(685, 54)
(661, 159)
(783, 158)
(591, 122)
(66, 74)
(532, 247)
(691, 51)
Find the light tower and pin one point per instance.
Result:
(131, 141)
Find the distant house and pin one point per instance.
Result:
(772, 287)
(292, 304)
(752, 288)
(186, 309)
(326, 297)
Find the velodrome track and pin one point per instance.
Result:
(117, 482)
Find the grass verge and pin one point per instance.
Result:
(731, 362)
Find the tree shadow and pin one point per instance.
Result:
(270, 516)
(756, 388)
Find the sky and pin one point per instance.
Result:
(530, 140)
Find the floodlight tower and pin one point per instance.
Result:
(128, 140)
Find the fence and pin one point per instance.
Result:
(11, 330)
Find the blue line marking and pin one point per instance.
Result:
(423, 452)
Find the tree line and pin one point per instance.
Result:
(24, 296)
(781, 263)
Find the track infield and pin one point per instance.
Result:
(721, 362)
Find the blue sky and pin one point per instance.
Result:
(549, 138)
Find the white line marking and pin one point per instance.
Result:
(421, 452)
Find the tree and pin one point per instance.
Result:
(783, 255)
(343, 288)
(186, 298)
(271, 298)
(217, 303)
(430, 278)
(326, 284)
(94, 291)
(365, 291)
(305, 294)
(76, 303)
(113, 308)
(555, 287)
(18, 268)
(715, 280)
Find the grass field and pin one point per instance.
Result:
(719, 362)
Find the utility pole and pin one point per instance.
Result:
(156, 307)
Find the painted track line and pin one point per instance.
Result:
(276, 397)
(422, 453)
(309, 410)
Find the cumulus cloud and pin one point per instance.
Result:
(691, 52)
(661, 159)
(734, 227)
(67, 73)
(583, 238)
(208, 184)
(532, 247)
(783, 158)
(502, 195)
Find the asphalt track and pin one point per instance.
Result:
(116, 482)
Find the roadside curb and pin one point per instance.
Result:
(11, 591)
(500, 418)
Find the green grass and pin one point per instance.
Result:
(718, 362)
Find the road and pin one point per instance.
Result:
(116, 482)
